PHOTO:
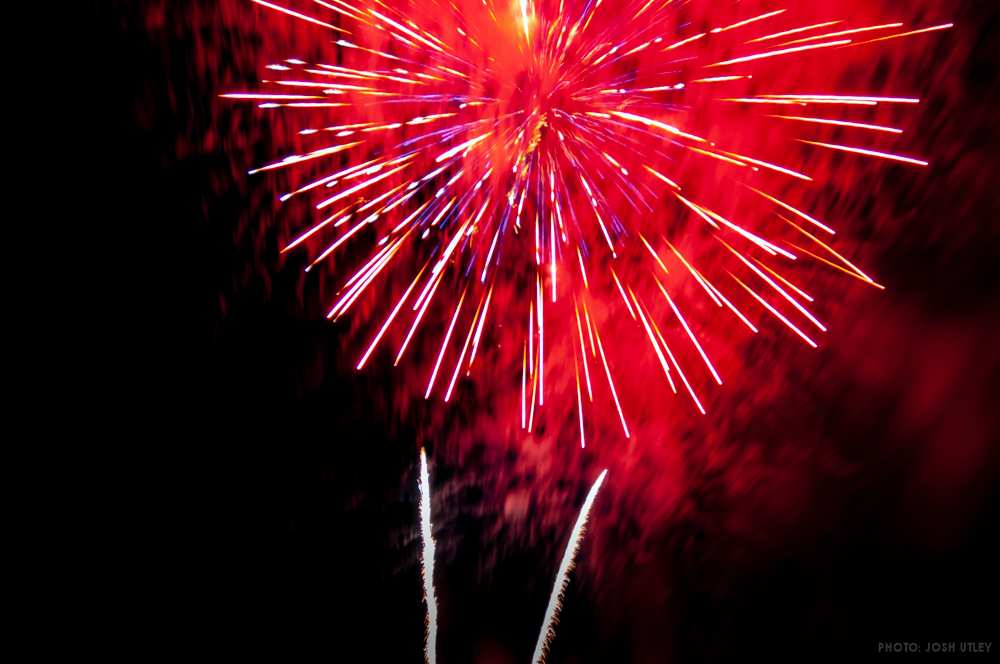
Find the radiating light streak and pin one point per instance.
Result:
(388, 322)
(943, 26)
(857, 271)
(663, 177)
(524, 375)
(781, 291)
(784, 51)
(444, 346)
(255, 95)
(777, 313)
(655, 256)
(583, 352)
(694, 273)
(796, 211)
(685, 41)
(552, 256)
(697, 210)
(583, 270)
(541, 340)
(411, 33)
(305, 104)
(341, 240)
(611, 382)
(465, 347)
(715, 155)
(840, 123)
(351, 14)
(461, 148)
(849, 273)
(579, 399)
(359, 187)
(769, 247)
(868, 153)
(479, 329)
(621, 290)
(841, 33)
(336, 220)
(653, 342)
(785, 102)
(732, 307)
(687, 328)
(719, 79)
(534, 393)
(649, 122)
(524, 19)
(328, 179)
(793, 31)
(770, 166)
(364, 277)
(433, 283)
(303, 17)
(846, 98)
(531, 337)
(680, 372)
(783, 280)
(749, 21)
(486, 263)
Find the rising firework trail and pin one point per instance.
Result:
(427, 559)
(558, 590)
(562, 578)
(585, 194)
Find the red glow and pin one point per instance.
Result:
(521, 148)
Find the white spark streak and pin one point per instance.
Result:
(427, 538)
(562, 579)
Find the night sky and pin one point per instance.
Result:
(857, 503)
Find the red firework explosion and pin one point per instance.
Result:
(594, 199)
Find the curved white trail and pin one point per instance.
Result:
(427, 557)
(562, 580)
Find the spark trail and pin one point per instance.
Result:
(562, 578)
(558, 590)
(427, 559)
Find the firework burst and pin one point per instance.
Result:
(575, 193)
